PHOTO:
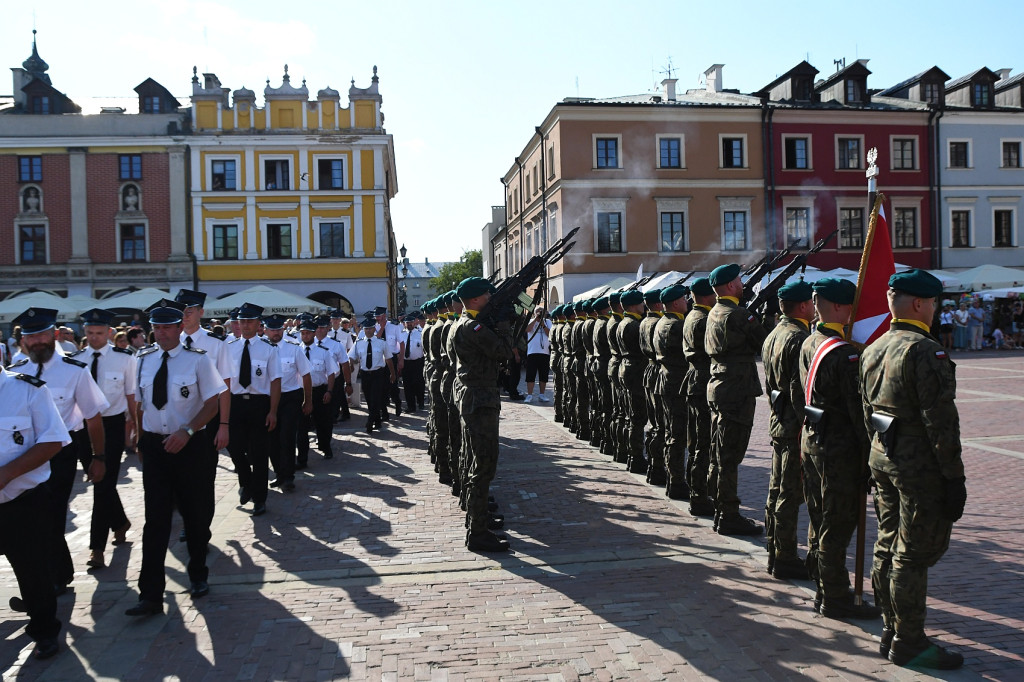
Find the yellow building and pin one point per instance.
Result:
(295, 195)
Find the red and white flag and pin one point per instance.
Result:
(871, 306)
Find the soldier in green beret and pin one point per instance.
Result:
(631, 377)
(908, 385)
(835, 448)
(781, 358)
(700, 473)
(556, 360)
(568, 367)
(450, 420)
(581, 375)
(619, 451)
(670, 388)
(601, 403)
(654, 442)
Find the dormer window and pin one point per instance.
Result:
(802, 89)
(933, 93)
(853, 92)
(981, 95)
(151, 105)
(41, 105)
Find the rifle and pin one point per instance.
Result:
(494, 276)
(769, 290)
(510, 303)
(639, 283)
(756, 273)
(685, 278)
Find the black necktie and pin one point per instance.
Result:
(160, 384)
(408, 345)
(95, 366)
(39, 371)
(245, 369)
(369, 353)
(188, 342)
(307, 352)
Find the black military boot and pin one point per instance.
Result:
(885, 643)
(637, 465)
(486, 541)
(739, 526)
(718, 518)
(701, 505)
(846, 608)
(923, 654)
(789, 570)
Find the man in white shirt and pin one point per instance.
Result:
(391, 332)
(255, 384)
(324, 373)
(340, 353)
(411, 342)
(296, 402)
(372, 357)
(538, 349)
(113, 369)
(67, 340)
(340, 332)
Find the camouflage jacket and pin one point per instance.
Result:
(841, 431)
(733, 341)
(615, 355)
(627, 333)
(668, 348)
(428, 360)
(907, 375)
(698, 372)
(647, 326)
(478, 352)
(781, 357)
(602, 354)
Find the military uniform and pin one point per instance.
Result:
(618, 449)
(602, 387)
(671, 392)
(701, 472)
(631, 378)
(580, 376)
(654, 442)
(556, 359)
(296, 389)
(450, 421)
(412, 367)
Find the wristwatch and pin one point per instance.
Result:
(189, 431)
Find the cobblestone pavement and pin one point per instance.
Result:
(362, 573)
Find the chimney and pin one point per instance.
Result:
(670, 89)
(714, 77)
(1003, 73)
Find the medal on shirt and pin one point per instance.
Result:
(259, 372)
(18, 438)
(184, 391)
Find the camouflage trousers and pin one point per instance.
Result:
(654, 441)
(456, 456)
(701, 474)
(602, 408)
(785, 495)
(569, 398)
(912, 537)
(675, 415)
(556, 399)
(614, 422)
(582, 417)
(438, 435)
(480, 439)
(731, 423)
(832, 488)
(635, 420)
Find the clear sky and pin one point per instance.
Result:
(464, 83)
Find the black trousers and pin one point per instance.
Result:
(24, 526)
(249, 443)
(321, 421)
(168, 479)
(391, 392)
(376, 384)
(282, 448)
(107, 510)
(63, 468)
(415, 385)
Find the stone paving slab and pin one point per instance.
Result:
(362, 574)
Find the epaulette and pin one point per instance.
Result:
(294, 343)
(193, 349)
(19, 363)
(121, 350)
(232, 339)
(72, 361)
(28, 378)
(268, 341)
(216, 336)
(76, 353)
(146, 350)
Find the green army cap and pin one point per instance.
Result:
(631, 298)
(920, 283)
(588, 306)
(601, 303)
(841, 291)
(796, 291)
(724, 274)
(471, 287)
(701, 287)
(615, 298)
(673, 293)
(449, 298)
(652, 296)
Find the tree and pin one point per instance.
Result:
(470, 265)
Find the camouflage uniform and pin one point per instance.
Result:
(580, 376)
(907, 375)
(568, 368)
(556, 368)
(671, 390)
(781, 358)
(603, 395)
(631, 381)
(701, 474)
(450, 422)
(654, 443)
(618, 447)
(428, 368)
(587, 341)
(835, 453)
(733, 340)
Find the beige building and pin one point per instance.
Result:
(669, 181)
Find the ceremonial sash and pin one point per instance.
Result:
(830, 344)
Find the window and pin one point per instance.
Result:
(849, 152)
(796, 153)
(673, 237)
(732, 152)
(904, 225)
(932, 93)
(982, 95)
(151, 105)
(1011, 155)
(851, 228)
(1004, 228)
(275, 174)
(852, 92)
(609, 232)
(129, 167)
(133, 243)
(961, 229)
(669, 156)
(903, 154)
(798, 222)
(332, 240)
(551, 161)
(802, 89)
(33, 244)
(41, 104)
(279, 241)
(222, 174)
(330, 174)
(959, 156)
(30, 168)
(607, 152)
(735, 224)
(225, 242)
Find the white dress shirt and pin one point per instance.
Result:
(264, 361)
(75, 394)
(412, 339)
(336, 348)
(115, 374)
(379, 353)
(215, 347)
(191, 381)
(321, 362)
(294, 365)
(29, 417)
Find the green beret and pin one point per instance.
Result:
(701, 287)
(841, 291)
(471, 287)
(601, 304)
(631, 298)
(795, 291)
(916, 282)
(724, 274)
(673, 293)
(652, 296)
(615, 297)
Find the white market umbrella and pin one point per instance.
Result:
(990, 277)
(67, 308)
(616, 283)
(273, 301)
(133, 300)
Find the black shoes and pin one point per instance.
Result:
(329, 454)
(200, 588)
(369, 426)
(486, 542)
(145, 608)
(846, 607)
(45, 648)
(923, 654)
(886, 641)
(701, 506)
(288, 487)
(495, 522)
(790, 570)
(259, 510)
(739, 526)
(243, 496)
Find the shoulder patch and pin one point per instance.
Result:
(27, 378)
(941, 354)
(72, 361)
(146, 351)
(120, 350)
(268, 341)
(76, 353)
(853, 358)
(193, 349)
(216, 336)
(19, 363)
